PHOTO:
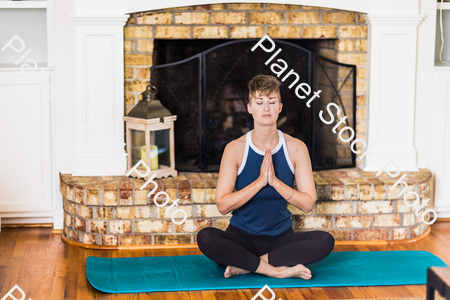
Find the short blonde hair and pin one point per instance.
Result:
(265, 85)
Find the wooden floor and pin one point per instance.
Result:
(46, 268)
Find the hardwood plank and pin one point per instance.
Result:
(19, 249)
(12, 275)
(195, 295)
(314, 293)
(45, 289)
(221, 294)
(293, 293)
(337, 292)
(210, 295)
(2, 282)
(83, 291)
(174, 295)
(71, 285)
(357, 292)
(237, 295)
(245, 294)
(58, 288)
(417, 290)
(60, 267)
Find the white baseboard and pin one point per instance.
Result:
(44, 220)
(443, 214)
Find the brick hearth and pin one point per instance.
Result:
(352, 205)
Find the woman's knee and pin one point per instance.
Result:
(206, 237)
(203, 236)
(325, 240)
(328, 240)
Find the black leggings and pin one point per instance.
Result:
(237, 248)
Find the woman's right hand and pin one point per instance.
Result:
(264, 168)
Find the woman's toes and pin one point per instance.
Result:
(227, 272)
(305, 269)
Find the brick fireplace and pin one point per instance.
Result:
(105, 211)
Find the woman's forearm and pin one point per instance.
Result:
(232, 201)
(301, 200)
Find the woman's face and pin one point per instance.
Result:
(265, 109)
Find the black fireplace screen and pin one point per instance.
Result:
(208, 93)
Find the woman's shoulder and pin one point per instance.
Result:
(235, 149)
(238, 145)
(297, 149)
(293, 142)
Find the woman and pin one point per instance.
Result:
(256, 186)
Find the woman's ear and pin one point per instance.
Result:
(249, 109)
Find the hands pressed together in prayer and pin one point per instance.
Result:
(267, 174)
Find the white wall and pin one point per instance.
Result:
(63, 100)
(64, 76)
(425, 71)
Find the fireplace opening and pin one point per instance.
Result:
(204, 83)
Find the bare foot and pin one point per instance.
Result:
(232, 271)
(296, 271)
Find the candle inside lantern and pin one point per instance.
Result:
(153, 157)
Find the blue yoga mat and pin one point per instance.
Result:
(196, 272)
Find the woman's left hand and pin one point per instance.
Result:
(271, 178)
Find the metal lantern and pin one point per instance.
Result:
(150, 136)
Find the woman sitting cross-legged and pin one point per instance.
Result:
(256, 177)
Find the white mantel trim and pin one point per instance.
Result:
(367, 6)
(96, 19)
(392, 53)
(390, 19)
(99, 94)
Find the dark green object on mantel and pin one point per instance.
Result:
(149, 107)
(196, 272)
